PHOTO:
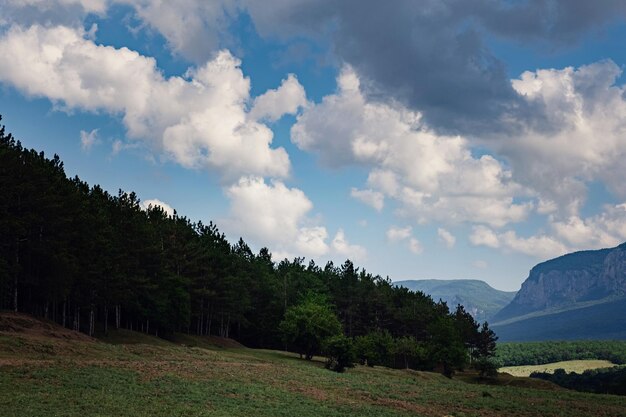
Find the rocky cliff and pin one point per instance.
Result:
(570, 279)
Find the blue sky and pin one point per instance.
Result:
(433, 139)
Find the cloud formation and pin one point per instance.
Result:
(276, 216)
(146, 204)
(433, 177)
(199, 120)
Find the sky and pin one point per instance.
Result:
(422, 139)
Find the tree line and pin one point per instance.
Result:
(539, 353)
(599, 381)
(93, 261)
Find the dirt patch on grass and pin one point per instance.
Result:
(25, 326)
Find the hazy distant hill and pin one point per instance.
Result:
(578, 295)
(480, 299)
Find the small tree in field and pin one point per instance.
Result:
(485, 351)
(340, 353)
(307, 325)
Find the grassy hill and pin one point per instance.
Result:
(599, 320)
(47, 370)
(478, 297)
(578, 366)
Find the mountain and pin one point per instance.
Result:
(478, 298)
(578, 295)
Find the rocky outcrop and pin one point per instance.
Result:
(569, 279)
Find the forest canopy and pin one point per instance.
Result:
(92, 261)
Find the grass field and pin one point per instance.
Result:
(52, 373)
(569, 366)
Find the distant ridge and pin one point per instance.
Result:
(579, 295)
(478, 297)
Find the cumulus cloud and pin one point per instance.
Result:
(146, 204)
(49, 12)
(405, 234)
(582, 139)
(446, 238)
(372, 198)
(342, 247)
(606, 229)
(199, 120)
(88, 139)
(434, 177)
(431, 54)
(395, 234)
(484, 236)
(540, 246)
(274, 215)
(603, 230)
(286, 99)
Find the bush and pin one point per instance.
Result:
(308, 324)
(487, 368)
(374, 348)
(340, 353)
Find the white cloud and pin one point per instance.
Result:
(199, 121)
(541, 246)
(342, 247)
(400, 234)
(286, 99)
(88, 139)
(28, 12)
(145, 204)
(484, 236)
(415, 246)
(434, 177)
(603, 230)
(194, 29)
(446, 238)
(582, 139)
(395, 234)
(372, 198)
(274, 215)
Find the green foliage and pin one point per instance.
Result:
(445, 348)
(409, 351)
(374, 348)
(539, 353)
(600, 381)
(307, 325)
(486, 367)
(485, 345)
(339, 352)
(70, 252)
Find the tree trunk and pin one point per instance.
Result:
(17, 273)
(91, 322)
(106, 320)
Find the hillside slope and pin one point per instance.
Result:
(478, 297)
(604, 320)
(97, 379)
(581, 295)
